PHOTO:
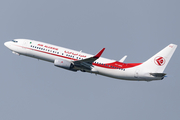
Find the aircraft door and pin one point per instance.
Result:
(25, 43)
(23, 50)
(136, 74)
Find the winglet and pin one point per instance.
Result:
(122, 60)
(99, 54)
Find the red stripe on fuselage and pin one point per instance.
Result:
(114, 65)
(117, 65)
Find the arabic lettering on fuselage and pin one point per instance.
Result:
(75, 54)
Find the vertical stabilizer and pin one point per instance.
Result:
(159, 61)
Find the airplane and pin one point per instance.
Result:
(72, 60)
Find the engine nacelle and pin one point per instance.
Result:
(64, 64)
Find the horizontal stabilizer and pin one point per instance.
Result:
(158, 74)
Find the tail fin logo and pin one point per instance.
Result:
(160, 61)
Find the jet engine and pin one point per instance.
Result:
(64, 64)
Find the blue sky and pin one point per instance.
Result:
(32, 89)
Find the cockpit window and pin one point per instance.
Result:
(15, 41)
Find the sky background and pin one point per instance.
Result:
(36, 90)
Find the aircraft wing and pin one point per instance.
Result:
(87, 63)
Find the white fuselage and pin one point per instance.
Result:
(103, 66)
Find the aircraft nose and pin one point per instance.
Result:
(7, 44)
